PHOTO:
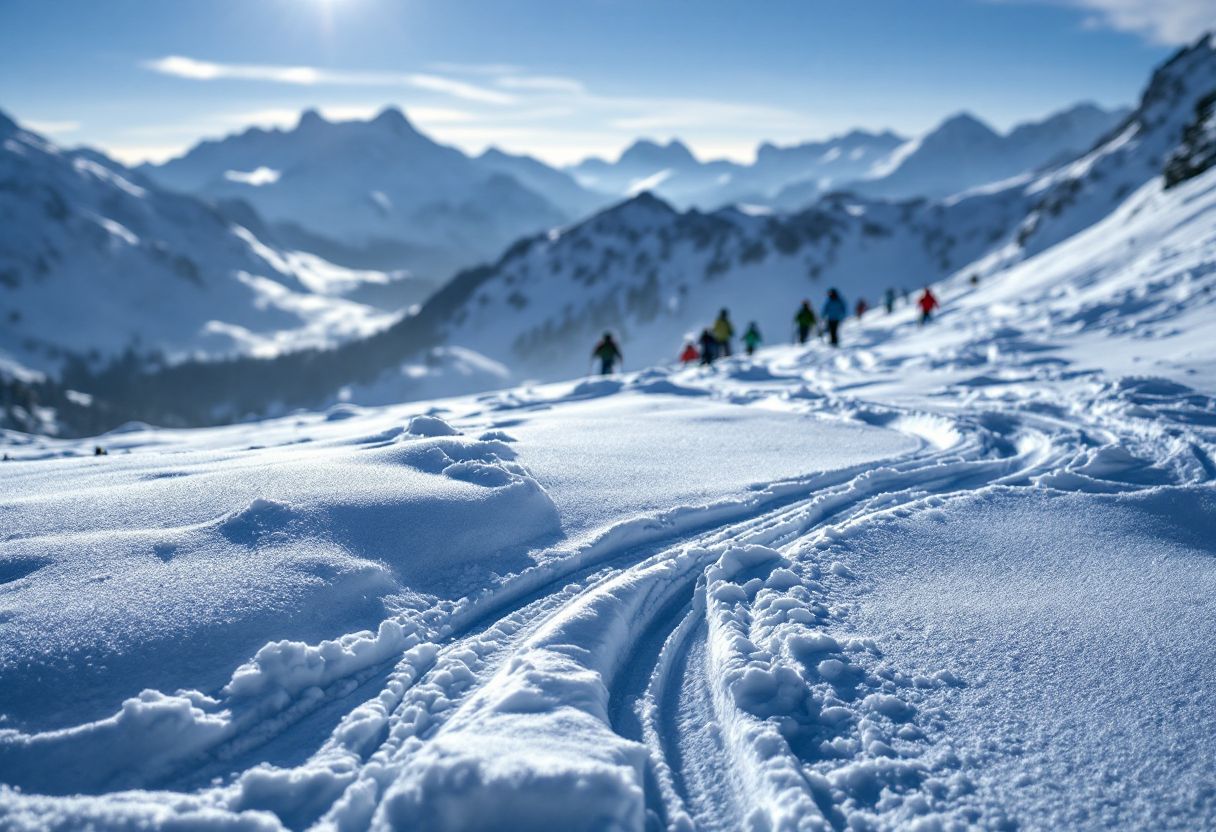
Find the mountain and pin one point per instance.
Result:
(964, 152)
(826, 164)
(1168, 120)
(669, 169)
(656, 275)
(672, 172)
(379, 193)
(557, 187)
(95, 261)
(961, 153)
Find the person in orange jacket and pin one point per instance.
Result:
(690, 354)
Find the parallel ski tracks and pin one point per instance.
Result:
(649, 687)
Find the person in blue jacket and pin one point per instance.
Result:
(834, 311)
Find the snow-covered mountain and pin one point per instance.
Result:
(656, 275)
(95, 261)
(379, 193)
(672, 172)
(961, 153)
(1169, 116)
(964, 152)
(827, 165)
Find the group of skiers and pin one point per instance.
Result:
(715, 340)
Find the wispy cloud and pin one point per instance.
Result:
(1163, 21)
(1170, 22)
(543, 83)
(51, 128)
(474, 69)
(183, 67)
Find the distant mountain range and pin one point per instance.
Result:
(960, 154)
(378, 194)
(97, 261)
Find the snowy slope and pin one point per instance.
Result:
(379, 191)
(657, 276)
(1078, 194)
(95, 260)
(945, 577)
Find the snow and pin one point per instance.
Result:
(95, 265)
(1096, 633)
(931, 580)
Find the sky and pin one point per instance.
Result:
(564, 79)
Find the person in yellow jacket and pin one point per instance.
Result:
(723, 331)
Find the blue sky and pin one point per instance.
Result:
(144, 79)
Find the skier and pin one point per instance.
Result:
(690, 353)
(927, 304)
(709, 347)
(805, 319)
(862, 306)
(752, 338)
(608, 353)
(888, 300)
(723, 331)
(834, 311)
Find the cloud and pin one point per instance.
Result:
(475, 69)
(438, 115)
(677, 114)
(540, 83)
(182, 67)
(1167, 22)
(51, 127)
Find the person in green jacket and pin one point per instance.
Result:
(805, 319)
(751, 338)
(608, 353)
(724, 331)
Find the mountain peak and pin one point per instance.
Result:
(392, 118)
(674, 154)
(965, 123)
(311, 118)
(7, 125)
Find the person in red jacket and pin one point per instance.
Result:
(690, 354)
(927, 304)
